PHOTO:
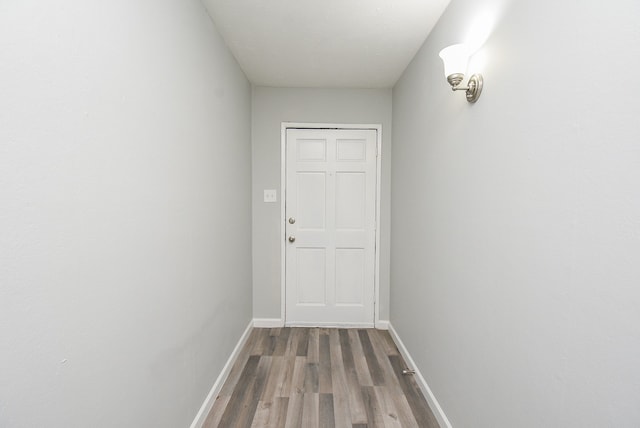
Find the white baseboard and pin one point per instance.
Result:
(428, 394)
(382, 325)
(268, 322)
(217, 386)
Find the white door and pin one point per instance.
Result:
(330, 226)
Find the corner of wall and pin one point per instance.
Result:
(206, 407)
(420, 380)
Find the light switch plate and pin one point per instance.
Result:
(270, 195)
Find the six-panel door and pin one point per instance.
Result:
(330, 226)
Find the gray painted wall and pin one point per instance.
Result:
(125, 213)
(516, 221)
(271, 107)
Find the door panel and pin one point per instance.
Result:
(312, 150)
(310, 278)
(351, 200)
(311, 212)
(350, 150)
(330, 210)
(350, 276)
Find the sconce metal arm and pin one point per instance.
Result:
(473, 88)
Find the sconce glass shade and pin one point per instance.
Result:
(455, 59)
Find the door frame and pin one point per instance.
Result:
(283, 193)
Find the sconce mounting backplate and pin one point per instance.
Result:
(474, 88)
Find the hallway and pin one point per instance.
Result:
(146, 212)
(319, 377)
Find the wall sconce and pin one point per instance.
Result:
(455, 58)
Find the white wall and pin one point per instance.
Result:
(271, 107)
(124, 212)
(516, 221)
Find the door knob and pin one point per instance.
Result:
(292, 220)
(292, 239)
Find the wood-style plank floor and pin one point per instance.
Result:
(320, 378)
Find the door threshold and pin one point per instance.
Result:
(328, 324)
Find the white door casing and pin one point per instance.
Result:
(330, 216)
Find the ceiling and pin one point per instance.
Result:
(324, 43)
